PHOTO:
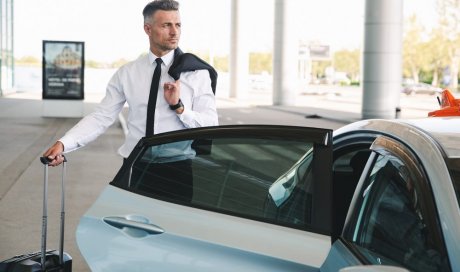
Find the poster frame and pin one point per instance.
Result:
(63, 72)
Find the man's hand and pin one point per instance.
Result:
(172, 92)
(54, 153)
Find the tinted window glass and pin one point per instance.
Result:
(264, 179)
(347, 168)
(392, 226)
(454, 169)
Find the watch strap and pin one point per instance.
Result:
(178, 105)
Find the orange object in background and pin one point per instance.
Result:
(449, 105)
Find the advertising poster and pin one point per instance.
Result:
(63, 67)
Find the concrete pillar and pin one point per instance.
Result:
(285, 54)
(382, 58)
(239, 53)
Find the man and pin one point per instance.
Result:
(188, 102)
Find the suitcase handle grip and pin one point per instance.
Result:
(46, 160)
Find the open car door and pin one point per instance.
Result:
(226, 198)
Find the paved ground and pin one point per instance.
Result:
(25, 134)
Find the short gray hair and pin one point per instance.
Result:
(155, 5)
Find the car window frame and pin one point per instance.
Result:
(320, 137)
(384, 146)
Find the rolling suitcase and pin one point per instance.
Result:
(44, 260)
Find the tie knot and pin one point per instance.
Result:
(158, 61)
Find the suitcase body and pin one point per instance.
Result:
(32, 262)
(44, 260)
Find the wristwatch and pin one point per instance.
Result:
(178, 105)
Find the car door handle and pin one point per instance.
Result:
(121, 222)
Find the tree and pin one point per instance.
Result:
(435, 52)
(29, 61)
(221, 63)
(318, 68)
(348, 61)
(449, 14)
(92, 64)
(413, 58)
(260, 63)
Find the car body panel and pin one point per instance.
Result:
(339, 257)
(187, 243)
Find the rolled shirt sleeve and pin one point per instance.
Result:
(200, 108)
(97, 122)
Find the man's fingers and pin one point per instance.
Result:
(172, 85)
(169, 86)
(54, 154)
(55, 160)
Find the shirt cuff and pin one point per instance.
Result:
(69, 144)
(187, 116)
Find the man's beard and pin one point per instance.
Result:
(167, 47)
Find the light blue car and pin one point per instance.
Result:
(375, 195)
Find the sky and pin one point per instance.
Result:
(113, 29)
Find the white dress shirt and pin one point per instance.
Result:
(131, 84)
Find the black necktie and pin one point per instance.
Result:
(153, 98)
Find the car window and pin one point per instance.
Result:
(395, 222)
(270, 180)
(454, 169)
(347, 168)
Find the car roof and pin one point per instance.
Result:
(445, 131)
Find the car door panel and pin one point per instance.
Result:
(251, 246)
(261, 202)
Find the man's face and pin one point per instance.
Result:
(163, 29)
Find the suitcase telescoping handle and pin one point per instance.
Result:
(45, 162)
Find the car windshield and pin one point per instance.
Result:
(454, 169)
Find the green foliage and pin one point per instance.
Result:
(412, 47)
(202, 55)
(221, 63)
(318, 68)
(348, 61)
(426, 77)
(260, 63)
(427, 55)
(28, 61)
(92, 64)
(118, 63)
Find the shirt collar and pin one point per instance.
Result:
(167, 59)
